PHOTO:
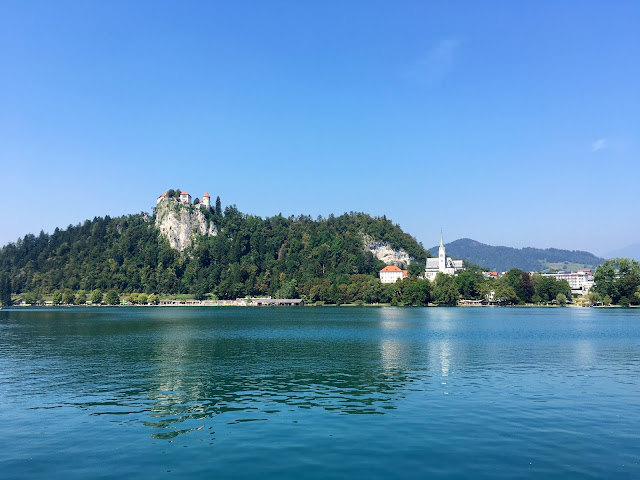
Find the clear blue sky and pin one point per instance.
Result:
(512, 123)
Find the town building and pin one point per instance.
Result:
(442, 264)
(391, 274)
(580, 282)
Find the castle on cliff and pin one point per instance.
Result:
(185, 198)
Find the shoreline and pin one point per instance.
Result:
(233, 303)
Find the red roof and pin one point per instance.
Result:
(391, 268)
(406, 272)
(206, 195)
(163, 195)
(184, 193)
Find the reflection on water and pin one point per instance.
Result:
(188, 371)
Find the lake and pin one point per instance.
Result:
(308, 392)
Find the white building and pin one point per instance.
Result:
(206, 201)
(185, 198)
(164, 196)
(442, 264)
(391, 273)
(580, 281)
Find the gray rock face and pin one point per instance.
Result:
(385, 252)
(180, 224)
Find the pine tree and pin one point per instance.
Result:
(5, 290)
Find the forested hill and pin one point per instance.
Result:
(528, 259)
(249, 255)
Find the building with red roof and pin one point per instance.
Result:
(391, 274)
(206, 200)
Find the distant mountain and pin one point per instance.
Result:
(632, 251)
(528, 259)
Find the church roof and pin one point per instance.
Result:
(432, 262)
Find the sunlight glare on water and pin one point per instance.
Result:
(320, 392)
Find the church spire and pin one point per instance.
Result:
(441, 241)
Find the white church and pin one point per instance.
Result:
(442, 264)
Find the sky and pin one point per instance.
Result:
(511, 123)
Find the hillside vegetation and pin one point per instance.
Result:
(249, 255)
(529, 259)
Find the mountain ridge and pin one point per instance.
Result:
(501, 258)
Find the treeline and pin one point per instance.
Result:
(617, 282)
(277, 256)
(321, 260)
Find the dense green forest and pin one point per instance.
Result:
(529, 259)
(280, 256)
(322, 260)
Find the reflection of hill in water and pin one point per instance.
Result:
(180, 369)
(167, 371)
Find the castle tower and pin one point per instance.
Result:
(206, 200)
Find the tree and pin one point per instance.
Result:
(57, 297)
(171, 193)
(143, 299)
(470, 283)
(201, 293)
(548, 288)
(112, 298)
(617, 278)
(29, 298)
(521, 283)
(68, 296)
(5, 290)
(594, 298)
(561, 299)
(196, 201)
(445, 291)
(416, 269)
(133, 298)
(153, 299)
(81, 297)
(415, 291)
(505, 294)
(218, 207)
(96, 297)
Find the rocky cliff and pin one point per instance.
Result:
(180, 224)
(385, 252)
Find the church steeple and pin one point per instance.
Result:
(442, 258)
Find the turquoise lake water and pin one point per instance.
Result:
(320, 393)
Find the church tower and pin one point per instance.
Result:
(442, 259)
